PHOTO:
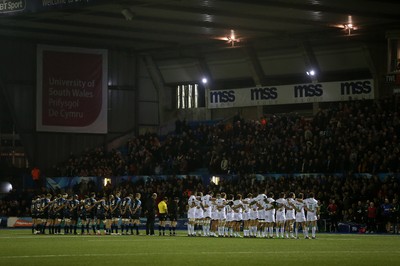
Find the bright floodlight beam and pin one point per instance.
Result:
(204, 80)
(311, 73)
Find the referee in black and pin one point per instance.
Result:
(173, 211)
(151, 214)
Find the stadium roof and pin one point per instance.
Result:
(176, 26)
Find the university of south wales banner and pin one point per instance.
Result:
(71, 90)
(291, 94)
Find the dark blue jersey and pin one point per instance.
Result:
(114, 206)
(101, 208)
(125, 204)
(136, 205)
(33, 208)
(89, 205)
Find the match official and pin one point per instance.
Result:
(163, 212)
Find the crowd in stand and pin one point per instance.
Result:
(346, 138)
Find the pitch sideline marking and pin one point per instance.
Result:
(185, 253)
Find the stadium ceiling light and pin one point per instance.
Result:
(311, 73)
(204, 80)
(349, 27)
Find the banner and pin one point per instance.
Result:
(291, 94)
(71, 90)
(15, 7)
(19, 222)
(65, 183)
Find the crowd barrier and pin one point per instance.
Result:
(26, 222)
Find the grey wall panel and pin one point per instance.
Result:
(121, 114)
(121, 68)
(148, 113)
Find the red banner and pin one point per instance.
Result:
(72, 90)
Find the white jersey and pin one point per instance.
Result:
(229, 211)
(238, 210)
(312, 206)
(253, 209)
(280, 212)
(300, 214)
(221, 204)
(199, 210)
(270, 213)
(246, 209)
(290, 211)
(192, 207)
(206, 201)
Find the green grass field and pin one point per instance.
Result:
(20, 247)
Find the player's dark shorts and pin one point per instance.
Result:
(162, 217)
(74, 217)
(91, 216)
(126, 216)
(101, 217)
(59, 215)
(83, 217)
(52, 215)
(173, 217)
(115, 216)
(34, 215)
(136, 216)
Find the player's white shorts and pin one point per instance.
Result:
(270, 216)
(280, 216)
(311, 216)
(207, 212)
(246, 216)
(253, 215)
(199, 213)
(191, 213)
(229, 217)
(222, 215)
(290, 215)
(261, 215)
(237, 216)
(214, 215)
(300, 217)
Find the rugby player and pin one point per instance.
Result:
(83, 215)
(67, 215)
(59, 212)
(312, 208)
(199, 212)
(246, 215)
(300, 216)
(34, 214)
(280, 215)
(136, 208)
(270, 214)
(101, 209)
(191, 214)
(206, 202)
(290, 215)
(229, 216)
(237, 207)
(125, 213)
(73, 207)
(91, 212)
(115, 212)
(220, 203)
